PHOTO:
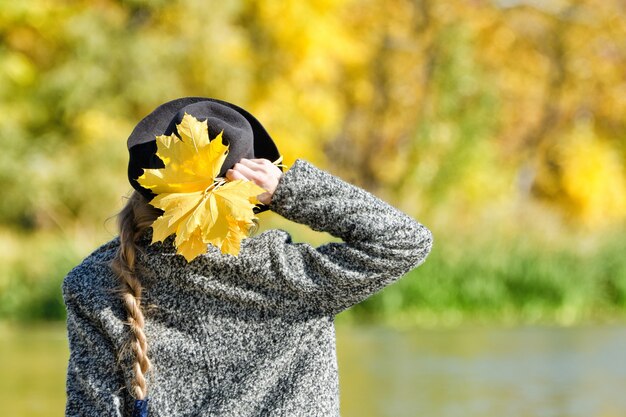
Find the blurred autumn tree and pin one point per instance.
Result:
(458, 107)
(448, 100)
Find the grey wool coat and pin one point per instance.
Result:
(242, 336)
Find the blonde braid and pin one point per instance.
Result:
(133, 221)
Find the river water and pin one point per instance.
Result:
(466, 372)
(483, 372)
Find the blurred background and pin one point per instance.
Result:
(499, 124)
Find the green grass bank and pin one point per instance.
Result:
(491, 280)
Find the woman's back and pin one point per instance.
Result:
(250, 335)
(218, 346)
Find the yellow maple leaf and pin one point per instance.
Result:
(199, 207)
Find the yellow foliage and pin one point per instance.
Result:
(592, 178)
(339, 82)
(18, 68)
(199, 207)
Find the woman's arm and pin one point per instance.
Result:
(93, 387)
(380, 243)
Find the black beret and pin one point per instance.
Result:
(244, 134)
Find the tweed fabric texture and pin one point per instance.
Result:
(242, 336)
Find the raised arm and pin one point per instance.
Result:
(380, 243)
(93, 386)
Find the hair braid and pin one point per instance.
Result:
(133, 220)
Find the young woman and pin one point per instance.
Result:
(244, 333)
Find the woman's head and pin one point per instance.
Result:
(242, 132)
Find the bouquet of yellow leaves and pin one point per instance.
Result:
(199, 207)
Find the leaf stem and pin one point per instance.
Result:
(217, 182)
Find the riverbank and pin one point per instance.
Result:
(488, 279)
(508, 282)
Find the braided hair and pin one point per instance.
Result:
(136, 216)
(133, 221)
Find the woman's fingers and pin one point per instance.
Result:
(233, 175)
(256, 164)
(261, 171)
(249, 172)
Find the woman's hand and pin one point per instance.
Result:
(261, 171)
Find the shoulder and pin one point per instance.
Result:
(267, 238)
(257, 247)
(90, 294)
(255, 256)
(87, 280)
(268, 253)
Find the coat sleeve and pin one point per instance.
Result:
(93, 386)
(380, 243)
